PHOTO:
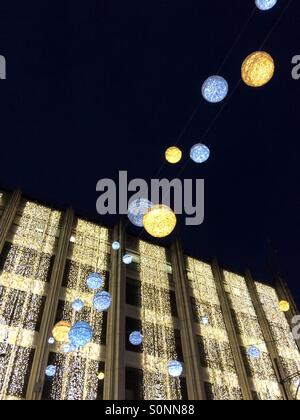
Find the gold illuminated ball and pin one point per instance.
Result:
(61, 331)
(284, 306)
(101, 376)
(173, 154)
(159, 221)
(258, 69)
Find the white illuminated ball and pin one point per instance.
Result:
(50, 371)
(175, 368)
(116, 246)
(215, 89)
(265, 4)
(127, 259)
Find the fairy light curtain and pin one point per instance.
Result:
(282, 335)
(157, 325)
(23, 280)
(216, 354)
(260, 371)
(76, 374)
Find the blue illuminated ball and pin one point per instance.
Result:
(80, 334)
(102, 301)
(77, 305)
(136, 338)
(215, 89)
(253, 352)
(50, 371)
(199, 153)
(137, 210)
(51, 340)
(95, 281)
(116, 246)
(127, 259)
(175, 368)
(265, 4)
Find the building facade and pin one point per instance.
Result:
(187, 310)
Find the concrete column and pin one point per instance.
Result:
(36, 380)
(233, 338)
(268, 337)
(195, 386)
(114, 382)
(8, 216)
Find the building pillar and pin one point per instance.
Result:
(36, 380)
(284, 293)
(233, 338)
(268, 337)
(8, 216)
(114, 382)
(195, 386)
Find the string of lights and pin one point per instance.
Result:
(216, 353)
(260, 370)
(27, 265)
(157, 325)
(77, 372)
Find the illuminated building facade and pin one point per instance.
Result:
(187, 310)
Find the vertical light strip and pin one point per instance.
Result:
(282, 335)
(260, 371)
(214, 338)
(76, 377)
(157, 325)
(27, 263)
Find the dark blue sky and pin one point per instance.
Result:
(101, 86)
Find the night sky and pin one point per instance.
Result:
(101, 86)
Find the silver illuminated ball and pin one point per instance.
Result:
(175, 368)
(51, 340)
(50, 371)
(136, 338)
(199, 153)
(265, 4)
(102, 301)
(215, 89)
(137, 210)
(127, 259)
(253, 352)
(67, 348)
(116, 246)
(205, 320)
(77, 305)
(95, 281)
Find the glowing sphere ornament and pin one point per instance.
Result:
(215, 89)
(51, 340)
(102, 301)
(127, 259)
(205, 320)
(199, 153)
(137, 209)
(77, 305)
(253, 352)
(173, 155)
(101, 376)
(284, 306)
(95, 281)
(116, 246)
(80, 334)
(61, 331)
(160, 221)
(265, 4)
(258, 69)
(136, 338)
(175, 368)
(50, 371)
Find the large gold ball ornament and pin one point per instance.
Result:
(160, 221)
(258, 69)
(284, 306)
(173, 154)
(61, 331)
